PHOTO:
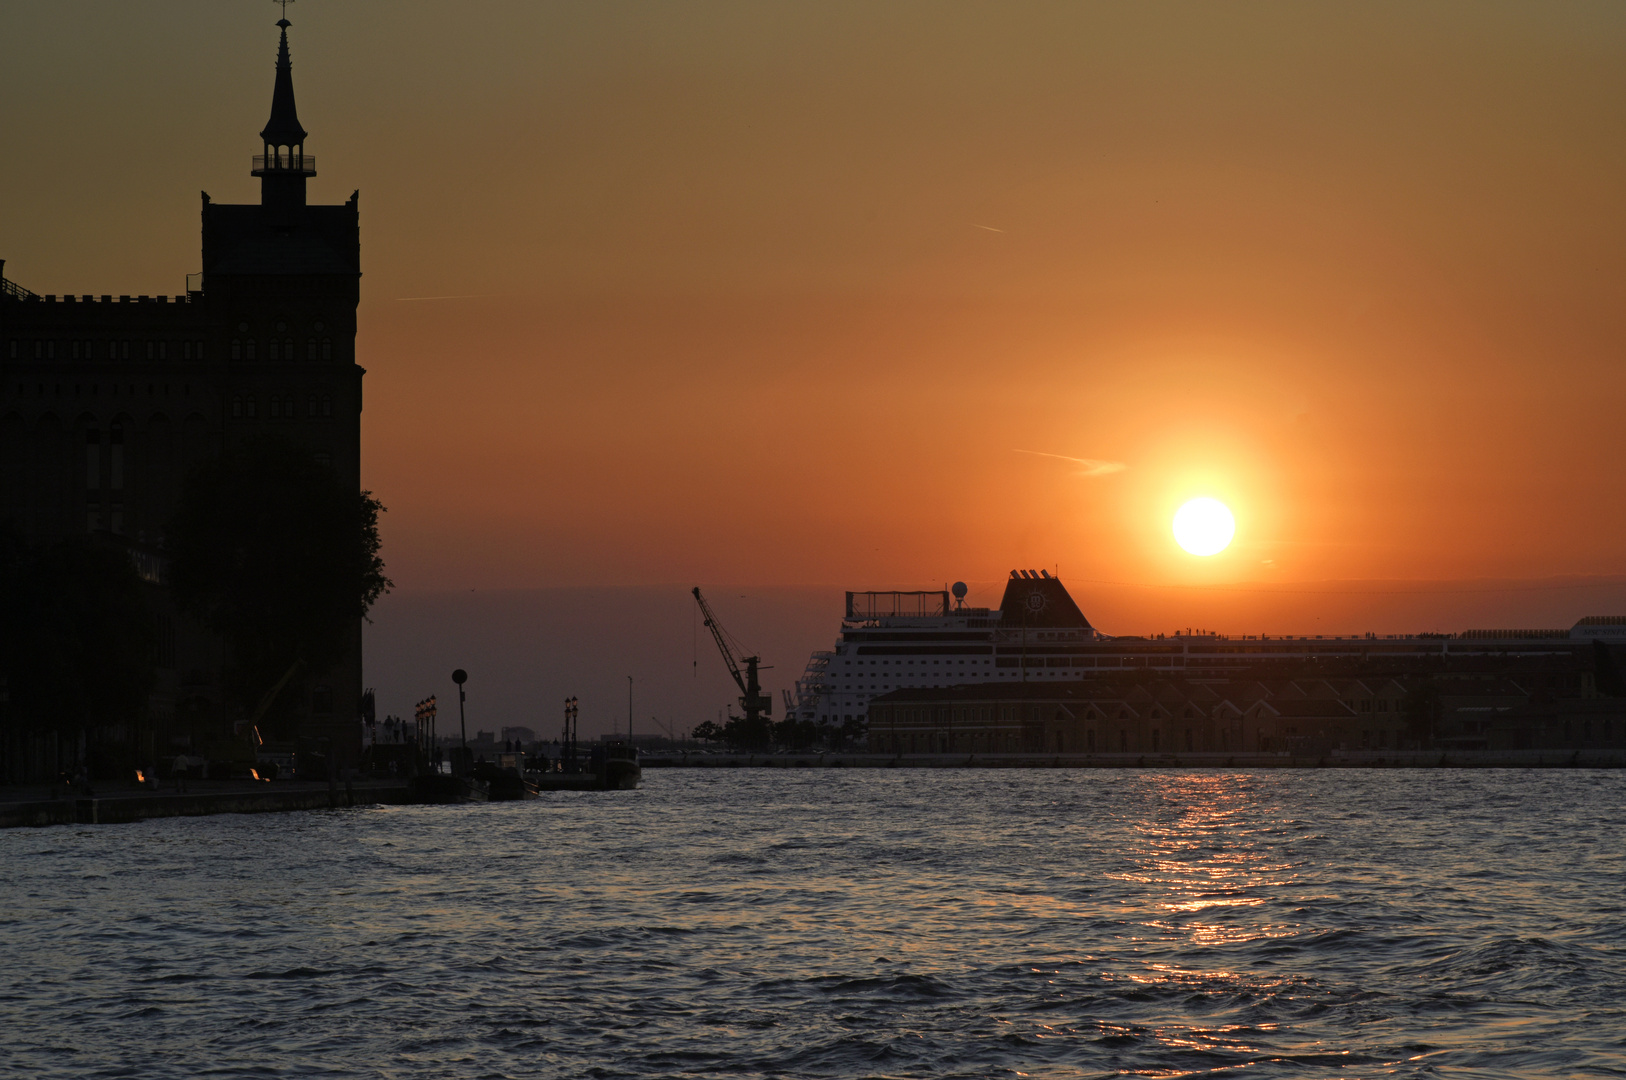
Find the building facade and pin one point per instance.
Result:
(1145, 715)
(108, 401)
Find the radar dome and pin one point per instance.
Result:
(959, 590)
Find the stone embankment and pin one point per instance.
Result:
(36, 807)
(1358, 759)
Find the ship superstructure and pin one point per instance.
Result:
(898, 640)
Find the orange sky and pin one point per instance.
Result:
(776, 294)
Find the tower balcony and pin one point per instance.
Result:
(291, 164)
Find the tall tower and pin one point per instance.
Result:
(282, 280)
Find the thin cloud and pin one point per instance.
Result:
(1086, 466)
(459, 296)
(990, 228)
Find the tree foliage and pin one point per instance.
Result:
(280, 559)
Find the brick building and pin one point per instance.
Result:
(107, 401)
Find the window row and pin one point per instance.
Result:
(83, 349)
(282, 407)
(282, 349)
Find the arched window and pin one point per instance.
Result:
(310, 407)
(115, 437)
(310, 349)
(250, 346)
(276, 406)
(236, 349)
(93, 460)
(253, 409)
(327, 348)
(288, 349)
(327, 406)
(236, 407)
(271, 350)
(198, 352)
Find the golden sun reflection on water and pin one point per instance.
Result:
(1203, 860)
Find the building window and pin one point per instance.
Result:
(199, 352)
(14, 349)
(253, 409)
(310, 349)
(115, 470)
(324, 458)
(236, 407)
(327, 406)
(124, 350)
(327, 348)
(39, 350)
(186, 350)
(271, 350)
(163, 349)
(288, 349)
(249, 345)
(76, 350)
(93, 460)
(276, 407)
(236, 349)
(311, 407)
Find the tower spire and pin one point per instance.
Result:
(283, 128)
(284, 167)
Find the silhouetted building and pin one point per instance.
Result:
(106, 402)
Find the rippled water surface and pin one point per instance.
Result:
(842, 923)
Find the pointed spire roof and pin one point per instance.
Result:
(283, 128)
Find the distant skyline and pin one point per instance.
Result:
(869, 296)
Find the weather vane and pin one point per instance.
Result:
(284, 4)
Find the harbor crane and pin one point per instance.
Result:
(756, 704)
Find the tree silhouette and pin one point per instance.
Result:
(280, 559)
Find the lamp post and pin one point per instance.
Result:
(570, 737)
(629, 710)
(460, 677)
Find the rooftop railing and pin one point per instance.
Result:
(285, 163)
(14, 291)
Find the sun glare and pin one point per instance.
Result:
(1204, 526)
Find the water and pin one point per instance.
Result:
(842, 923)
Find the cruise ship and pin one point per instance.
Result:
(900, 640)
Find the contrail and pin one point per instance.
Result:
(460, 296)
(1089, 466)
(990, 228)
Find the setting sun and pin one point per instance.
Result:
(1204, 526)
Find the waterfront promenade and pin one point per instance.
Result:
(114, 803)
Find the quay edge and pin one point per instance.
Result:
(1403, 759)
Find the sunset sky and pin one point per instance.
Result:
(828, 295)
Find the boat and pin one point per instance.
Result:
(897, 640)
(609, 766)
(892, 641)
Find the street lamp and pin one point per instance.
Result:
(570, 728)
(460, 677)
